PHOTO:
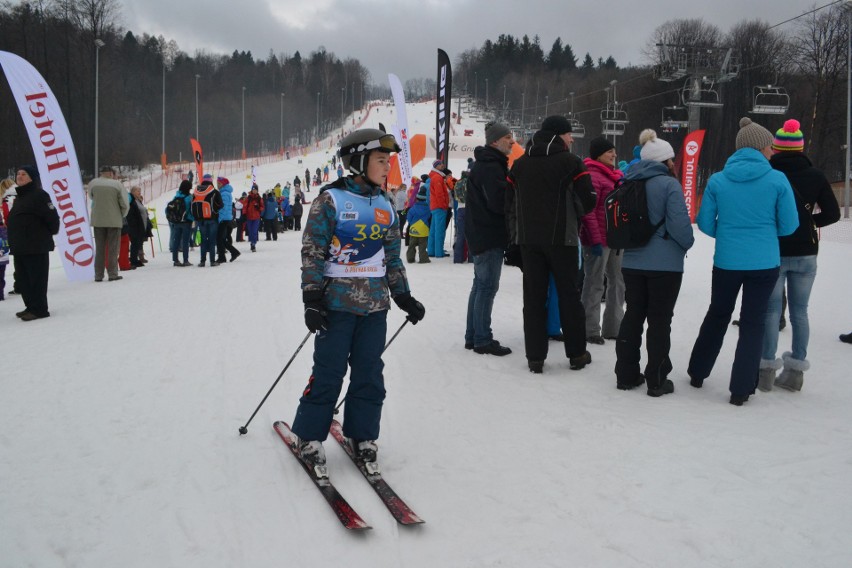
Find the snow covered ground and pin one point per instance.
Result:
(119, 444)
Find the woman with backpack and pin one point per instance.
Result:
(653, 273)
(180, 220)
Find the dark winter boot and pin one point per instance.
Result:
(738, 399)
(793, 375)
(665, 386)
(536, 367)
(768, 369)
(628, 384)
(580, 361)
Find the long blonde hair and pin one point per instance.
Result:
(4, 185)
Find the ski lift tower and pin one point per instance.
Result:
(702, 69)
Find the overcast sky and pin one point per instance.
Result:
(402, 37)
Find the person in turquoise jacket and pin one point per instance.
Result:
(745, 207)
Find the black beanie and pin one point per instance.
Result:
(598, 146)
(32, 171)
(185, 186)
(556, 124)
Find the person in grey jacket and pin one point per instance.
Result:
(110, 205)
(653, 274)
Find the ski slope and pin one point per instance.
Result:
(119, 443)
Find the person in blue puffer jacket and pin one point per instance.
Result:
(653, 273)
(224, 242)
(745, 207)
(270, 217)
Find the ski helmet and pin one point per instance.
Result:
(356, 146)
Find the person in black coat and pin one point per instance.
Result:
(32, 223)
(798, 259)
(550, 190)
(137, 226)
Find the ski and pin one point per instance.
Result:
(319, 475)
(397, 507)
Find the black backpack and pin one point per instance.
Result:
(176, 210)
(627, 223)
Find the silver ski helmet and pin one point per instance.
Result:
(356, 146)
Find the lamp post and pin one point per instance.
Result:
(546, 102)
(281, 146)
(163, 156)
(244, 123)
(318, 103)
(486, 92)
(98, 45)
(523, 97)
(342, 98)
(197, 77)
(475, 85)
(848, 7)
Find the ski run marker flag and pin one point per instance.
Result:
(691, 152)
(57, 164)
(199, 159)
(442, 110)
(400, 129)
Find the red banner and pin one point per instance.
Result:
(199, 160)
(689, 174)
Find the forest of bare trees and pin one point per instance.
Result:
(520, 82)
(291, 97)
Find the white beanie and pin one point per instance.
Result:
(653, 148)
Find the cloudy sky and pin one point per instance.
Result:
(402, 37)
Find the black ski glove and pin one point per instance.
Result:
(315, 314)
(412, 307)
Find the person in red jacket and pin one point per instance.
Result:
(439, 202)
(252, 210)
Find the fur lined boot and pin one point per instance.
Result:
(768, 369)
(792, 377)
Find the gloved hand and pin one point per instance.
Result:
(596, 249)
(512, 256)
(315, 314)
(412, 307)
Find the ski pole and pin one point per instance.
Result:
(339, 404)
(244, 429)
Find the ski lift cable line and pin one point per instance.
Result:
(806, 13)
(598, 109)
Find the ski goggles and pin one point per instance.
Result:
(386, 143)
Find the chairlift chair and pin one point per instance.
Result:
(770, 99)
(577, 129)
(674, 118)
(614, 120)
(707, 95)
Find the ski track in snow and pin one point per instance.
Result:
(120, 417)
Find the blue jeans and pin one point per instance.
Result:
(487, 267)
(799, 273)
(209, 230)
(437, 233)
(252, 227)
(179, 241)
(756, 285)
(355, 342)
(554, 324)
